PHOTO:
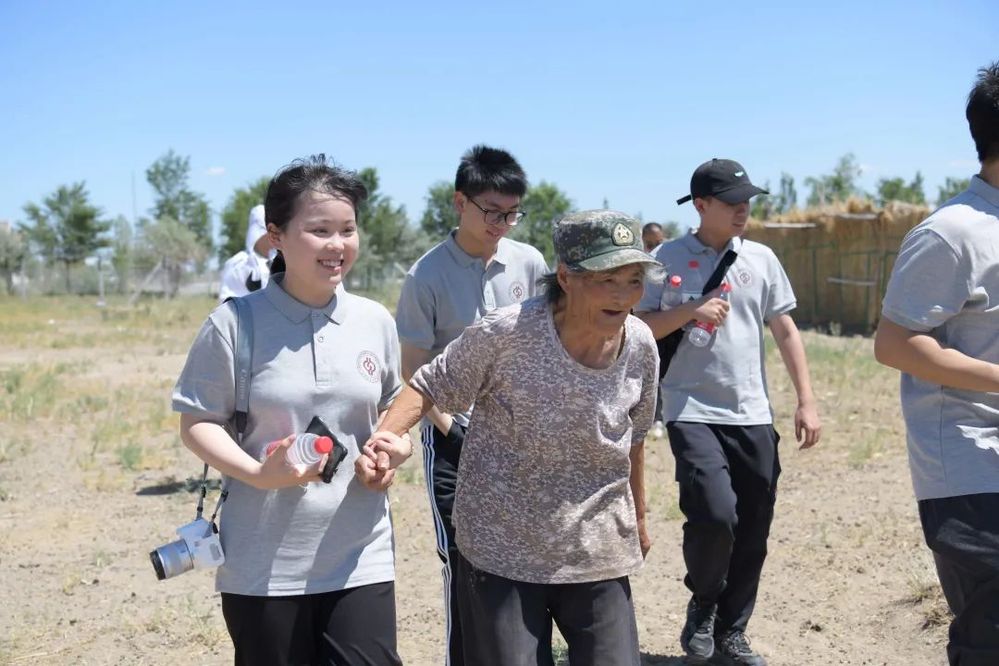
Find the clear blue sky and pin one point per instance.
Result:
(614, 100)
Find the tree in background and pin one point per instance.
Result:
(762, 206)
(840, 185)
(951, 188)
(895, 189)
(123, 252)
(544, 204)
(13, 250)
(169, 245)
(66, 228)
(168, 177)
(671, 229)
(387, 237)
(439, 217)
(785, 200)
(787, 197)
(236, 214)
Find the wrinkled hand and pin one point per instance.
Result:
(644, 541)
(807, 427)
(276, 472)
(390, 449)
(712, 309)
(380, 456)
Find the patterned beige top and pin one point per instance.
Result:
(543, 491)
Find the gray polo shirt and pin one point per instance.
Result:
(339, 362)
(945, 283)
(448, 290)
(724, 382)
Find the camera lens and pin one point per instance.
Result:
(171, 560)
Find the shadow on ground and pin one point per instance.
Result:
(662, 660)
(169, 487)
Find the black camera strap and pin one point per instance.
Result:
(243, 359)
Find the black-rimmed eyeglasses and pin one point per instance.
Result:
(496, 217)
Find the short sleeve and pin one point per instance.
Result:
(780, 295)
(454, 378)
(391, 378)
(207, 385)
(415, 314)
(928, 284)
(644, 411)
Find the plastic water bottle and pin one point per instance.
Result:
(307, 449)
(701, 332)
(673, 295)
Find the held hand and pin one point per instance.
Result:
(387, 449)
(712, 309)
(367, 471)
(276, 472)
(807, 427)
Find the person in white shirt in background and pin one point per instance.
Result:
(248, 269)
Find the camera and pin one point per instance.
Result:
(197, 548)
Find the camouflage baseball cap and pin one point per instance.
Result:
(599, 240)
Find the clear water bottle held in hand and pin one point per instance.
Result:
(702, 331)
(308, 449)
(674, 292)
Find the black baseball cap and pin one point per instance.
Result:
(722, 179)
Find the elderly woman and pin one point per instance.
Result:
(549, 507)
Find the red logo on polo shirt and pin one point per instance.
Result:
(368, 366)
(693, 263)
(517, 292)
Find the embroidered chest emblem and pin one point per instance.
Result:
(744, 277)
(368, 366)
(517, 292)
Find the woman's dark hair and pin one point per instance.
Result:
(485, 169)
(983, 113)
(312, 174)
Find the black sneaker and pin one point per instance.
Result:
(734, 646)
(698, 636)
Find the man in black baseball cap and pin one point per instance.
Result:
(716, 408)
(722, 179)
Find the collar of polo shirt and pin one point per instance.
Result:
(691, 242)
(978, 186)
(298, 312)
(502, 255)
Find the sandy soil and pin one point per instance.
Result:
(848, 580)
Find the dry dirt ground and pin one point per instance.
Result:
(93, 475)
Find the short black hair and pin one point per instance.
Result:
(485, 169)
(312, 174)
(649, 226)
(983, 113)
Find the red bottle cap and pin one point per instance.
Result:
(675, 281)
(323, 445)
(726, 287)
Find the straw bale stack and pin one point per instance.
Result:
(838, 258)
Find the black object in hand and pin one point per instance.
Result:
(318, 427)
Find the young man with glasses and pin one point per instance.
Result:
(470, 273)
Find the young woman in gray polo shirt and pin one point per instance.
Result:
(309, 567)
(549, 509)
